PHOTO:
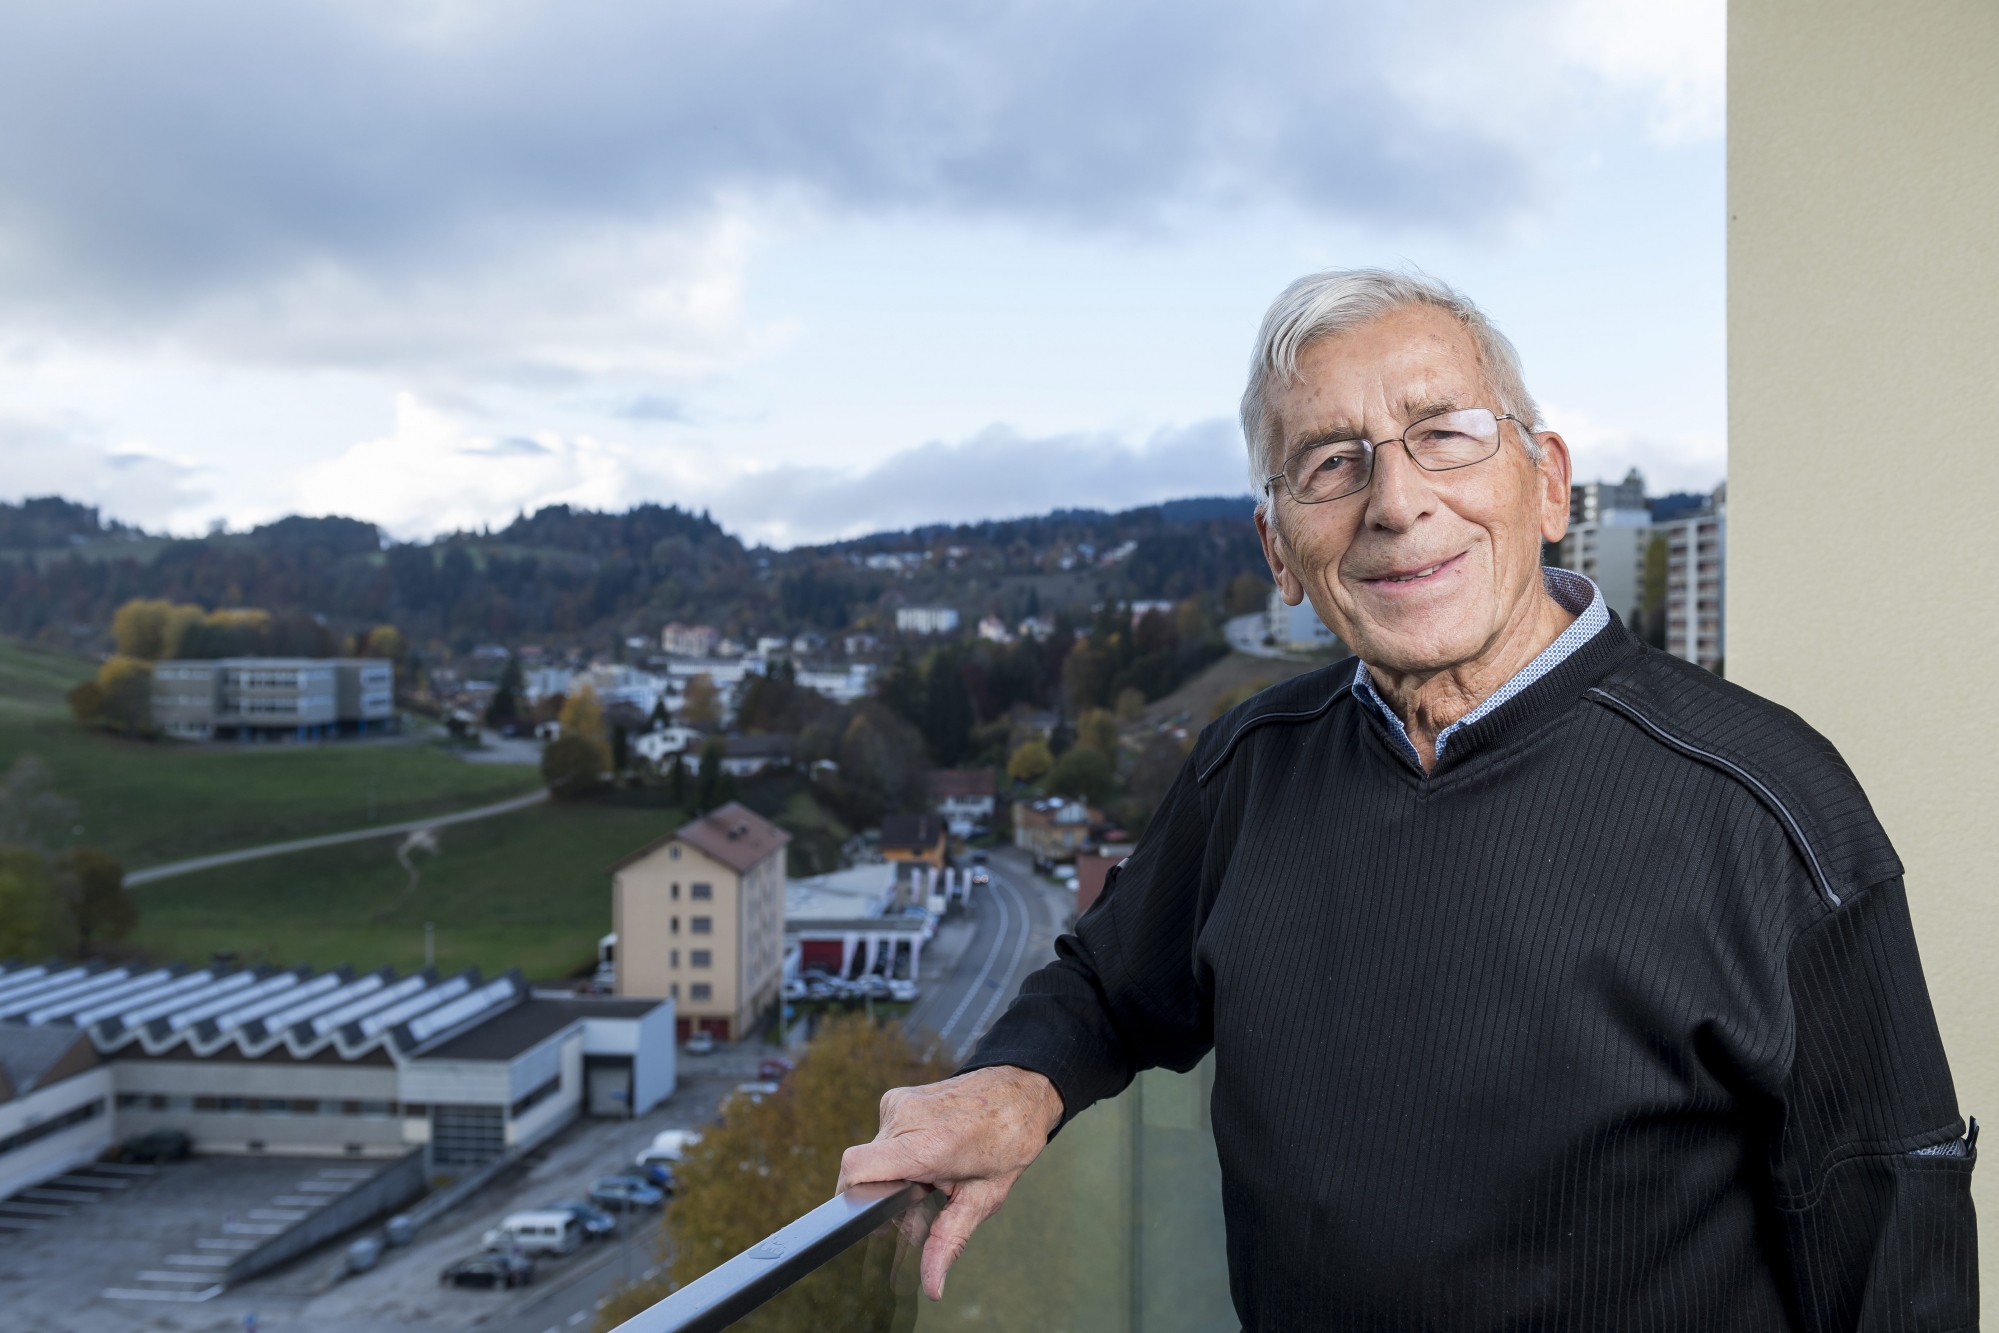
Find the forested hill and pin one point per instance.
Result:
(578, 576)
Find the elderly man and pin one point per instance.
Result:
(1552, 982)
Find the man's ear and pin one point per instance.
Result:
(1556, 470)
(1288, 582)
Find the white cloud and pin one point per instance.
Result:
(430, 474)
(1674, 55)
(72, 457)
(997, 473)
(1605, 451)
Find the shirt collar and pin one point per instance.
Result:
(1575, 593)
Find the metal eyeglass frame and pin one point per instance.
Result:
(1374, 447)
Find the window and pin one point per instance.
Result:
(374, 1108)
(673, 853)
(234, 1104)
(701, 925)
(676, 893)
(673, 958)
(700, 958)
(700, 990)
(701, 893)
(53, 1125)
(676, 925)
(674, 990)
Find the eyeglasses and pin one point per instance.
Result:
(1334, 469)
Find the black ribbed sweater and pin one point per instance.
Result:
(1613, 1021)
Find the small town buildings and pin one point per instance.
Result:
(994, 630)
(964, 797)
(273, 698)
(699, 916)
(677, 640)
(1297, 628)
(915, 838)
(655, 746)
(745, 755)
(926, 619)
(845, 923)
(291, 1062)
(840, 686)
(1053, 828)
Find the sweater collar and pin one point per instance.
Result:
(1575, 593)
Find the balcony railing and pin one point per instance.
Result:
(721, 1296)
(1116, 1228)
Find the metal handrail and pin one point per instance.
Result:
(723, 1295)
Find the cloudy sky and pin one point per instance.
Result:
(820, 268)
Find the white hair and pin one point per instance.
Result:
(1324, 305)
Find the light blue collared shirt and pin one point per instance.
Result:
(1577, 595)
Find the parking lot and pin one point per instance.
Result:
(134, 1248)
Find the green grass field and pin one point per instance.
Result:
(527, 890)
(151, 801)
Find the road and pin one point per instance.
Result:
(188, 867)
(1018, 915)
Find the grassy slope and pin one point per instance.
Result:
(151, 802)
(527, 890)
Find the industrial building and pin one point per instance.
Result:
(273, 698)
(293, 1062)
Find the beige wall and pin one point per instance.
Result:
(745, 940)
(1863, 326)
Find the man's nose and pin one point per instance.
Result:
(1399, 492)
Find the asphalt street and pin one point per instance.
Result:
(1016, 916)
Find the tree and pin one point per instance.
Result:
(1084, 772)
(506, 705)
(767, 1164)
(715, 785)
(583, 715)
(28, 924)
(127, 687)
(90, 886)
(1130, 705)
(703, 703)
(1248, 594)
(574, 765)
(1098, 729)
(947, 713)
(86, 703)
(1153, 770)
(1030, 763)
(139, 627)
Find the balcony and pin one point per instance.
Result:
(1117, 1227)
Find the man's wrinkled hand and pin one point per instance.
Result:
(970, 1137)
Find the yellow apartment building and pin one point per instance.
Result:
(700, 919)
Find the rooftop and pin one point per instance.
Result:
(733, 834)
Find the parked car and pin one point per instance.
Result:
(656, 1174)
(595, 1222)
(363, 1255)
(159, 1145)
(623, 1193)
(902, 988)
(537, 1231)
(669, 1145)
(700, 1043)
(794, 990)
(494, 1268)
(775, 1068)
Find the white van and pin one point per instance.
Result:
(668, 1146)
(542, 1231)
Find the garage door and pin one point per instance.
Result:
(466, 1135)
(611, 1090)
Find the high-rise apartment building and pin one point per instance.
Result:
(1612, 536)
(1696, 581)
